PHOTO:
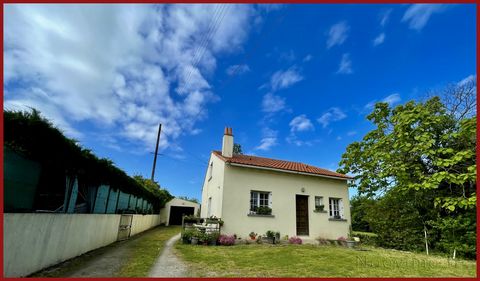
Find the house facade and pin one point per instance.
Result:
(258, 194)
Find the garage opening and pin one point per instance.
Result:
(176, 214)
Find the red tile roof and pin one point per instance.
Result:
(256, 161)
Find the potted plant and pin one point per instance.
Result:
(194, 240)
(203, 238)
(351, 243)
(259, 239)
(270, 236)
(319, 208)
(264, 210)
(187, 236)
(213, 238)
(252, 235)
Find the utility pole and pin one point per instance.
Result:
(156, 152)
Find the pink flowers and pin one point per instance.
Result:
(295, 240)
(226, 240)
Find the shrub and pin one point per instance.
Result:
(226, 240)
(366, 238)
(295, 240)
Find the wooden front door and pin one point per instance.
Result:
(302, 214)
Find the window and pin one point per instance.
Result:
(210, 171)
(319, 203)
(259, 199)
(334, 208)
(209, 210)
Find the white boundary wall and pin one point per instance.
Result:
(35, 241)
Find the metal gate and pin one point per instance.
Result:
(125, 227)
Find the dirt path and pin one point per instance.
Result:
(168, 264)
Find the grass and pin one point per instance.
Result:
(317, 261)
(139, 256)
(145, 251)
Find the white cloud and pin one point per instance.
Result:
(237, 69)
(337, 34)
(390, 99)
(385, 17)
(266, 143)
(351, 133)
(307, 58)
(300, 123)
(467, 80)
(417, 15)
(268, 140)
(124, 68)
(285, 78)
(379, 39)
(345, 66)
(272, 103)
(331, 115)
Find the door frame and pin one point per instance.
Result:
(308, 217)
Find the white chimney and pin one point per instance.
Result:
(227, 147)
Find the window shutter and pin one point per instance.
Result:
(270, 200)
(340, 205)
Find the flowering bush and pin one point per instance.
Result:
(226, 240)
(341, 238)
(295, 240)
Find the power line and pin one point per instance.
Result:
(204, 43)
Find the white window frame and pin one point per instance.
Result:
(335, 207)
(255, 195)
(320, 201)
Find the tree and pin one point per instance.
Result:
(194, 200)
(419, 164)
(237, 149)
(163, 195)
(416, 146)
(360, 206)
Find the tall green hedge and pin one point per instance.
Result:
(35, 137)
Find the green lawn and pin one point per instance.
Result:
(316, 261)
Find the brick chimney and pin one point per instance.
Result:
(227, 146)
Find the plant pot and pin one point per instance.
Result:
(194, 240)
(351, 243)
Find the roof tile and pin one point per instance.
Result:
(278, 164)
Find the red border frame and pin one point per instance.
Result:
(226, 1)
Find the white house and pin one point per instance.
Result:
(252, 193)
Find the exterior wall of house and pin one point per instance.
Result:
(239, 181)
(213, 188)
(165, 211)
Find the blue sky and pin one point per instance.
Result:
(295, 82)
